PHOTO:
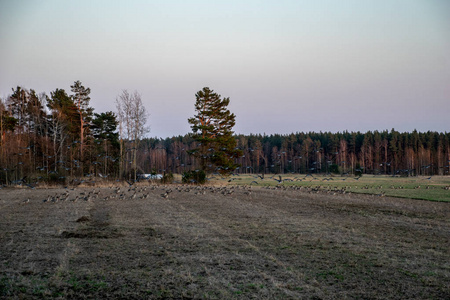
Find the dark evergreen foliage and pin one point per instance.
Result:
(104, 127)
(194, 177)
(167, 178)
(212, 130)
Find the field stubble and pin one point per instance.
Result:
(221, 243)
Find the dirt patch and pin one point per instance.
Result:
(96, 226)
(91, 233)
(222, 243)
(83, 219)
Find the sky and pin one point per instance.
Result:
(286, 65)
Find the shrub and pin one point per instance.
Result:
(167, 178)
(358, 170)
(55, 179)
(196, 177)
(334, 168)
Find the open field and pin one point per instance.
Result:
(221, 243)
(435, 188)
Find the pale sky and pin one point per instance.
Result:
(287, 65)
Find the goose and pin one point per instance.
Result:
(280, 181)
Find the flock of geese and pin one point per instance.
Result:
(281, 180)
(143, 191)
(166, 192)
(137, 192)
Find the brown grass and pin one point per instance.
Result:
(221, 243)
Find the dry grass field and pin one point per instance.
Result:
(220, 243)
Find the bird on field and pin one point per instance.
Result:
(26, 200)
(29, 185)
(165, 195)
(280, 181)
(253, 182)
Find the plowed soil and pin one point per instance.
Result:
(220, 243)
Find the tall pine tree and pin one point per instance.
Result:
(81, 99)
(212, 129)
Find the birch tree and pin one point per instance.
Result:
(132, 127)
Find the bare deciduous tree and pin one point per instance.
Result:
(132, 126)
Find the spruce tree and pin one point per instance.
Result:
(212, 129)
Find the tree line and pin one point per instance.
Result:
(374, 152)
(59, 138)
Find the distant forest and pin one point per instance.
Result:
(385, 152)
(60, 138)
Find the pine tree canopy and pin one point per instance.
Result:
(212, 129)
(81, 99)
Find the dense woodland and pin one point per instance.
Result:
(56, 138)
(386, 152)
(59, 138)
